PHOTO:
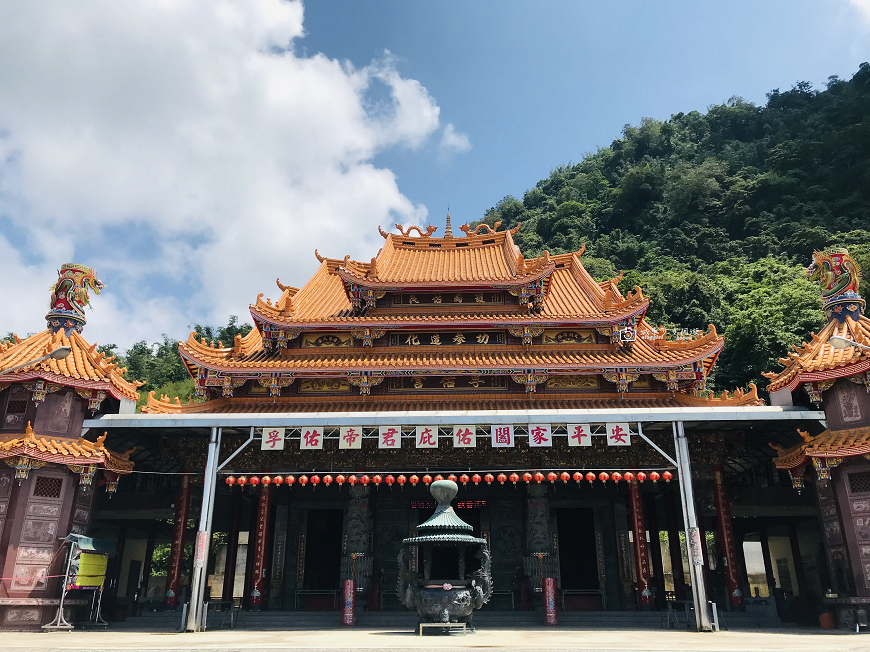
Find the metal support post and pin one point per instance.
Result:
(693, 537)
(203, 536)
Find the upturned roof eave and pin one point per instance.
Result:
(539, 367)
(602, 320)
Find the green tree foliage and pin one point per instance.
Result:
(716, 215)
(160, 365)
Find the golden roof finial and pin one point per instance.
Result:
(448, 231)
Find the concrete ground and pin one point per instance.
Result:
(517, 640)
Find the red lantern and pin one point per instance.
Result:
(590, 477)
(451, 477)
(463, 478)
(439, 477)
(242, 481)
(414, 480)
(364, 480)
(539, 477)
(289, 480)
(514, 478)
(552, 477)
(230, 480)
(629, 476)
(339, 479)
(603, 476)
(266, 480)
(476, 479)
(488, 478)
(390, 480)
(303, 480)
(667, 476)
(377, 480)
(616, 476)
(427, 479)
(352, 480)
(578, 477)
(278, 480)
(327, 480)
(527, 477)
(254, 480)
(565, 476)
(654, 476)
(641, 476)
(315, 480)
(401, 480)
(501, 478)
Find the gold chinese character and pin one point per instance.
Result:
(435, 339)
(413, 340)
(448, 383)
(436, 298)
(413, 299)
(478, 298)
(483, 338)
(459, 338)
(457, 298)
(475, 381)
(418, 383)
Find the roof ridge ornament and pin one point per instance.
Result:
(69, 297)
(448, 230)
(406, 233)
(839, 277)
(466, 228)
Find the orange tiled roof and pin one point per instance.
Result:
(65, 451)
(830, 443)
(817, 360)
(589, 358)
(573, 296)
(483, 259)
(85, 367)
(473, 401)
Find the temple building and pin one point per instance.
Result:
(307, 453)
(831, 371)
(49, 473)
(449, 323)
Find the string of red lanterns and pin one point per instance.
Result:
(537, 478)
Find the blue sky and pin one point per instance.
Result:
(194, 151)
(537, 84)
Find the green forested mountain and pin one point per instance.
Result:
(716, 215)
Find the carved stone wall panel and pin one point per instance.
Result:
(43, 509)
(38, 531)
(23, 615)
(390, 528)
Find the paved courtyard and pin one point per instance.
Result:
(494, 640)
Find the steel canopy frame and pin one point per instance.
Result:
(676, 416)
(451, 417)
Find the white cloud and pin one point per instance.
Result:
(454, 142)
(190, 155)
(863, 8)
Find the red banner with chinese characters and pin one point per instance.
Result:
(551, 611)
(348, 616)
(641, 559)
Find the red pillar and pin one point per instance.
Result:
(258, 583)
(176, 555)
(641, 560)
(727, 543)
(232, 547)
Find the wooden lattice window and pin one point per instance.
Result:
(48, 487)
(16, 407)
(859, 482)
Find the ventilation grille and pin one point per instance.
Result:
(16, 407)
(859, 482)
(48, 487)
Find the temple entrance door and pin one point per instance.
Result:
(322, 558)
(578, 562)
